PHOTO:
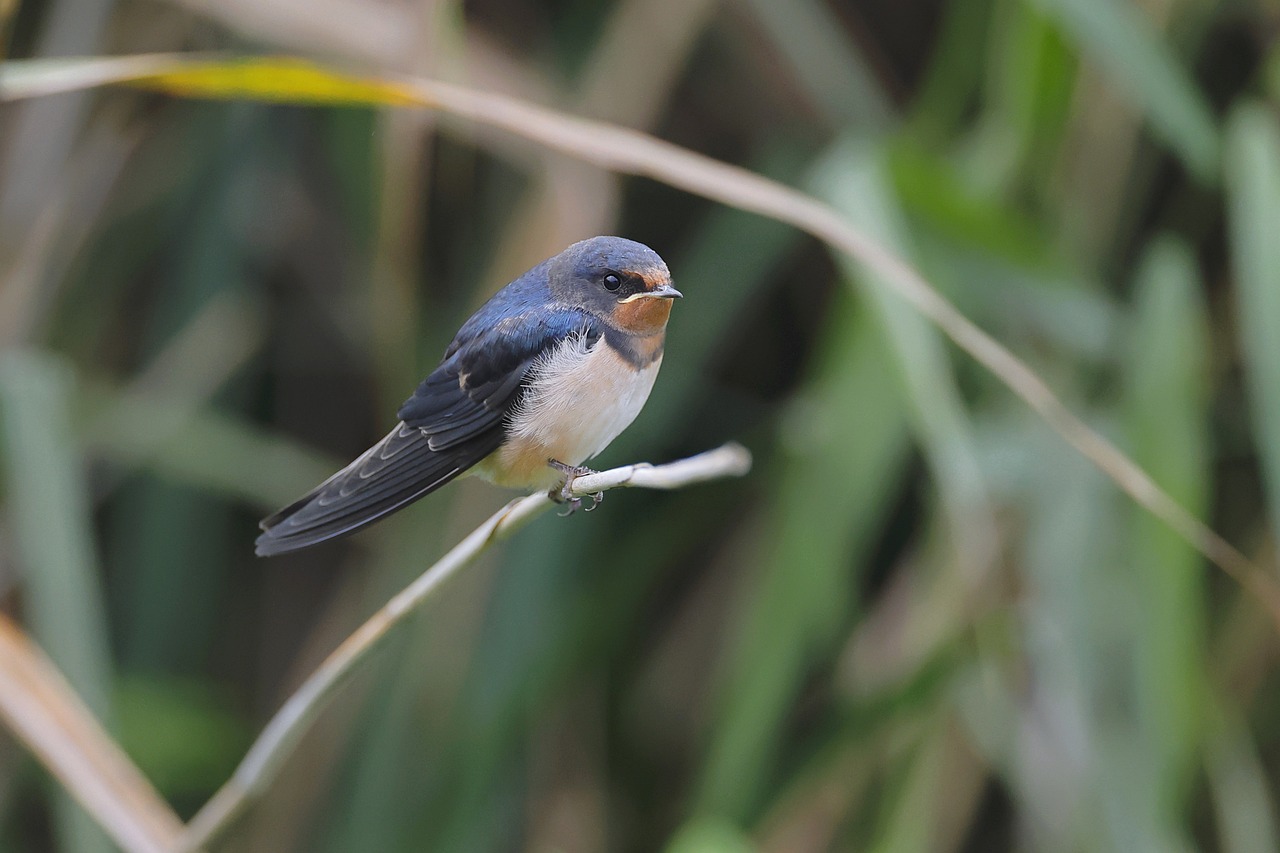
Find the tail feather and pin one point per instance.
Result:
(388, 476)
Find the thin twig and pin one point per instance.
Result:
(267, 755)
(631, 152)
(635, 153)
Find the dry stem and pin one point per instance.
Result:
(263, 762)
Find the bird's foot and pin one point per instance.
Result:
(564, 493)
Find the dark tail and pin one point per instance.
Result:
(388, 476)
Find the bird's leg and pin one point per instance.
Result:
(564, 494)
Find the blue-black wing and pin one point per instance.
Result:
(453, 420)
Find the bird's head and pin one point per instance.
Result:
(623, 282)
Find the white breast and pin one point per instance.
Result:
(579, 399)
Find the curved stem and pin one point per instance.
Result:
(265, 758)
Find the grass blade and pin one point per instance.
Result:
(1253, 198)
(1132, 53)
(284, 731)
(1167, 394)
(855, 180)
(828, 67)
(709, 836)
(279, 80)
(1243, 800)
(629, 152)
(802, 594)
(49, 508)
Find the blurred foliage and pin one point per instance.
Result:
(922, 624)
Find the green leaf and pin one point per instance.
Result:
(1253, 213)
(828, 65)
(922, 791)
(151, 432)
(1138, 62)
(930, 188)
(1164, 405)
(1243, 799)
(48, 507)
(823, 515)
(854, 178)
(709, 836)
(182, 734)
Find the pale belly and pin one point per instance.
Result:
(578, 402)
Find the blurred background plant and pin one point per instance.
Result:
(922, 624)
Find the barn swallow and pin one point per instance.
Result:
(536, 382)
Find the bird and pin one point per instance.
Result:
(541, 378)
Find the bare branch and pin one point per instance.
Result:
(631, 152)
(267, 755)
(628, 151)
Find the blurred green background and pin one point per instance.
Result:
(921, 624)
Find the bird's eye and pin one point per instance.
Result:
(612, 282)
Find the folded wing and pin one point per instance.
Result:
(453, 420)
(388, 476)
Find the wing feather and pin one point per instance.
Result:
(475, 387)
(453, 420)
(394, 472)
